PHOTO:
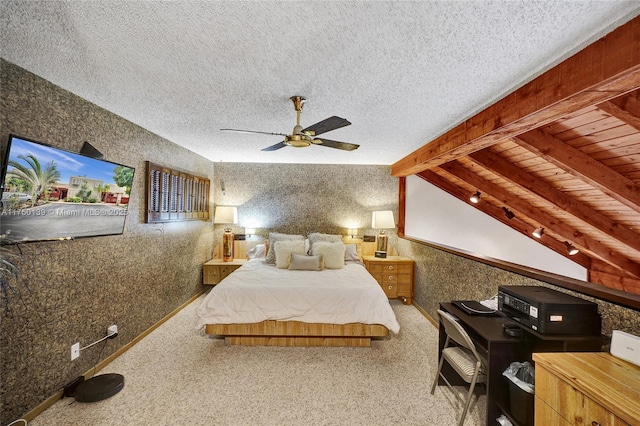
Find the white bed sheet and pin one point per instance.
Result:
(256, 292)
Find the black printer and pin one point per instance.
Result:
(548, 311)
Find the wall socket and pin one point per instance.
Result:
(75, 351)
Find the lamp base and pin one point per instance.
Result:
(382, 254)
(227, 247)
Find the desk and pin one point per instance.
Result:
(501, 350)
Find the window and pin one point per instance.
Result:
(175, 196)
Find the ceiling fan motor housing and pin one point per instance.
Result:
(298, 140)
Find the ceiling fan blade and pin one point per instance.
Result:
(335, 144)
(253, 131)
(274, 147)
(327, 125)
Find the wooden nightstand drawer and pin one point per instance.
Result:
(405, 268)
(210, 275)
(404, 289)
(390, 289)
(375, 268)
(389, 278)
(216, 270)
(394, 274)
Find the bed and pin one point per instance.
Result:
(302, 304)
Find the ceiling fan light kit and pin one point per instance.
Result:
(302, 138)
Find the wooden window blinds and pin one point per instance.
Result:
(175, 196)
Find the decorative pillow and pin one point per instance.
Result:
(306, 263)
(257, 252)
(275, 237)
(332, 253)
(284, 249)
(351, 253)
(315, 237)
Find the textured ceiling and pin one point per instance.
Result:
(401, 72)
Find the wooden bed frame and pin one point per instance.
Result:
(296, 333)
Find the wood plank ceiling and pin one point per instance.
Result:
(561, 153)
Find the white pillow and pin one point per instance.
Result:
(316, 237)
(257, 252)
(332, 253)
(284, 249)
(274, 237)
(306, 263)
(351, 253)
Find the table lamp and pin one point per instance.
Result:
(226, 215)
(382, 220)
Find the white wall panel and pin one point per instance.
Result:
(433, 215)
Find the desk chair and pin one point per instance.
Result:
(463, 357)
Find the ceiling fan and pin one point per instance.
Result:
(302, 138)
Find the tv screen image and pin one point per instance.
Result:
(52, 194)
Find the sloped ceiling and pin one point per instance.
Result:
(562, 153)
(401, 72)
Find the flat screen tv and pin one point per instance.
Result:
(53, 194)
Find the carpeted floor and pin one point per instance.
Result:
(178, 375)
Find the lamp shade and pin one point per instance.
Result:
(226, 214)
(382, 219)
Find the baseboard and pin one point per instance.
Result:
(426, 315)
(92, 371)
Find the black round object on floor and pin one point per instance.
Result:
(99, 387)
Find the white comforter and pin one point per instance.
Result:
(257, 292)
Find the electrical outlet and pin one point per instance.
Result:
(75, 351)
(112, 330)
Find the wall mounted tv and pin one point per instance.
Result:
(53, 194)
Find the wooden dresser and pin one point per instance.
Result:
(394, 274)
(586, 388)
(216, 270)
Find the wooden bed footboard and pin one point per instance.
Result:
(296, 333)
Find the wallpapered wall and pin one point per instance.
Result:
(304, 198)
(80, 287)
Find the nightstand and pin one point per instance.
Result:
(216, 270)
(394, 274)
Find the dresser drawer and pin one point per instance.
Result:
(595, 414)
(556, 393)
(586, 389)
(547, 416)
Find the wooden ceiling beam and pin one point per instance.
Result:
(582, 166)
(556, 198)
(551, 224)
(496, 212)
(602, 71)
(604, 274)
(621, 112)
